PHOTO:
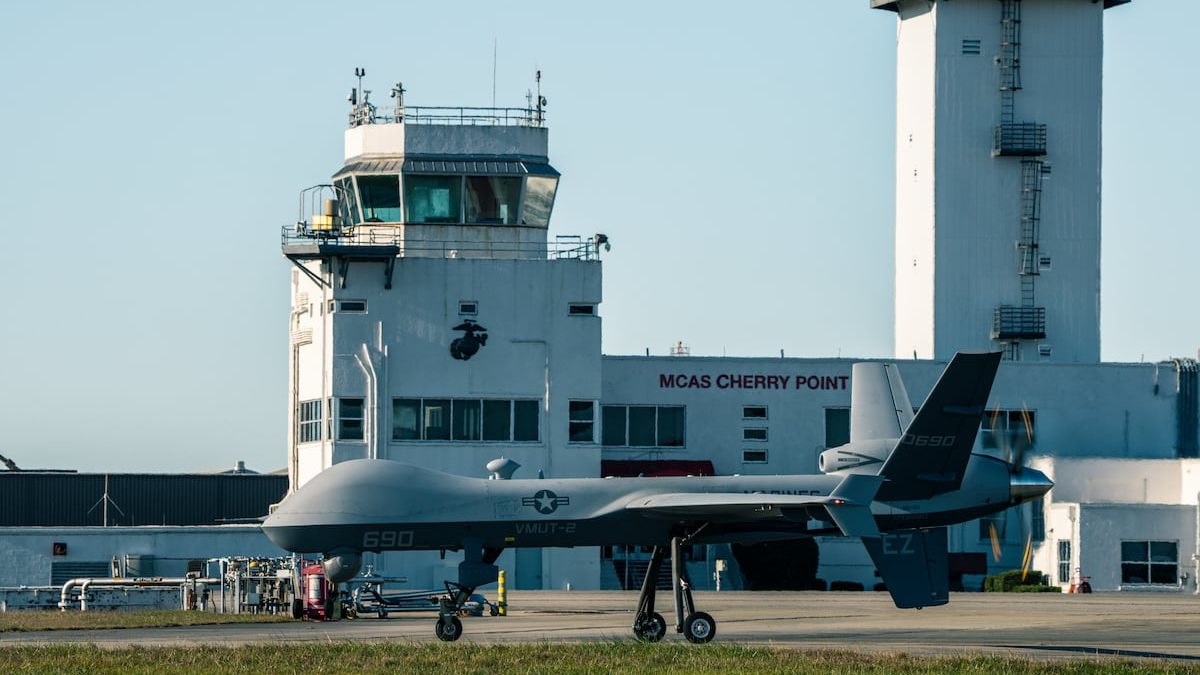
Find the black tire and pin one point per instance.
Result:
(699, 627)
(649, 627)
(448, 629)
(297, 609)
(381, 612)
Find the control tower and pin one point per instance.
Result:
(998, 177)
(434, 319)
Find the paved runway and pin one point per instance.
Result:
(1037, 625)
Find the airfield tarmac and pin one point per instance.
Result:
(1153, 625)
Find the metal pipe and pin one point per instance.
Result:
(87, 583)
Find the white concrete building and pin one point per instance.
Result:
(434, 322)
(998, 177)
(1127, 525)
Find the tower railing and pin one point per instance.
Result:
(1019, 139)
(450, 115)
(561, 247)
(1018, 323)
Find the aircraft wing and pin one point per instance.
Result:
(849, 505)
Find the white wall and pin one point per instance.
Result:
(26, 552)
(969, 204)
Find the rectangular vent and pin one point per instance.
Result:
(468, 308)
(302, 337)
(754, 456)
(581, 310)
(972, 46)
(301, 299)
(1044, 263)
(1044, 351)
(754, 434)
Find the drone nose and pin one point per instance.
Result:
(1028, 484)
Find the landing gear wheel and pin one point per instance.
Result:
(381, 612)
(649, 627)
(448, 629)
(699, 627)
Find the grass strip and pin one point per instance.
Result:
(614, 657)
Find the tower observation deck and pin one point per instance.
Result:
(435, 181)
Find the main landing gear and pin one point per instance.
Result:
(649, 625)
(477, 569)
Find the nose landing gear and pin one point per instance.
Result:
(648, 625)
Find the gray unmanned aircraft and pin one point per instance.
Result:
(896, 485)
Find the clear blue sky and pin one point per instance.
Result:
(740, 156)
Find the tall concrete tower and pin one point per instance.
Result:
(436, 321)
(998, 177)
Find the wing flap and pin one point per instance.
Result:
(848, 505)
(753, 505)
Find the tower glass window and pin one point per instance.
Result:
(539, 200)
(380, 198)
(493, 200)
(433, 199)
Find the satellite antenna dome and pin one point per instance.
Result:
(502, 468)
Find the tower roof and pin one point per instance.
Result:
(892, 4)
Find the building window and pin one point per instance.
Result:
(837, 427)
(436, 414)
(309, 421)
(406, 419)
(440, 419)
(468, 308)
(581, 309)
(645, 426)
(754, 456)
(758, 434)
(492, 200)
(525, 420)
(380, 198)
(582, 421)
(754, 412)
(350, 419)
(1064, 561)
(432, 199)
(613, 425)
(347, 306)
(497, 420)
(468, 420)
(1007, 429)
(1037, 520)
(1150, 562)
(539, 200)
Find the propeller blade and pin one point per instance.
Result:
(995, 537)
(1027, 559)
(1000, 436)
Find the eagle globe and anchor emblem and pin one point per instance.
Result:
(474, 337)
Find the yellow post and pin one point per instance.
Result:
(501, 596)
